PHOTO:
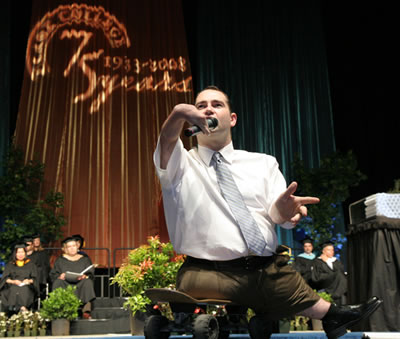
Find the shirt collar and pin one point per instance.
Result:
(206, 153)
(310, 256)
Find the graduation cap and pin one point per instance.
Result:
(67, 240)
(27, 238)
(19, 245)
(78, 237)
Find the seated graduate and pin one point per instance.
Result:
(19, 283)
(328, 274)
(42, 261)
(32, 255)
(304, 261)
(72, 261)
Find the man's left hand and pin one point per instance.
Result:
(290, 208)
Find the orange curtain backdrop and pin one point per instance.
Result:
(100, 79)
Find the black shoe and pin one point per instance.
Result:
(340, 318)
(260, 327)
(369, 302)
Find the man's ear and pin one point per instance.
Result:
(233, 119)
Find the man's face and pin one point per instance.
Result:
(29, 246)
(215, 104)
(36, 242)
(329, 251)
(71, 248)
(308, 248)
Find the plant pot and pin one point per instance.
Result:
(27, 333)
(42, 332)
(17, 333)
(34, 332)
(284, 326)
(60, 327)
(3, 334)
(10, 333)
(137, 323)
(317, 325)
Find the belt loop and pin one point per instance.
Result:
(247, 263)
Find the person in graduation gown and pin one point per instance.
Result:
(72, 261)
(304, 261)
(37, 259)
(42, 261)
(328, 274)
(19, 283)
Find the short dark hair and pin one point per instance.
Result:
(215, 88)
(307, 241)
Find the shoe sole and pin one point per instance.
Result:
(342, 330)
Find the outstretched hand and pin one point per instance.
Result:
(291, 208)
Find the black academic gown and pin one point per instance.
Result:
(304, 266)
(42, 261)
(13, 296)
(332, 280)
(84, 288)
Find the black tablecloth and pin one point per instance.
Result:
(374, 269)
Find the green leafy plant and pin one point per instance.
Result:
(154, 265)
(3, 322)
(22, 209)
(37, 321)
(27, 320)
(396, 187)
(324, 295)
(331, 182)
(62, 303)
(16, 321)
(299, 323)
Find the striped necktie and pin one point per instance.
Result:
(248, 226)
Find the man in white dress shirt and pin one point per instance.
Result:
(202, 226)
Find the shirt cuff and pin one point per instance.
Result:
(278, 219)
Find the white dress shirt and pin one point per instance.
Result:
(199, 220)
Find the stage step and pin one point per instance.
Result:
(108, 316)
(108, 302)
(109, 313)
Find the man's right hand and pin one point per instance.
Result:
(173, 125)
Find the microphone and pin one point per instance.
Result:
(191, 131)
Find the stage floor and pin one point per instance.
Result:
(293, 335)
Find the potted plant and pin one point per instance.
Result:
(153, 265)
(299, 323)
(3, 324)
(10, 328)
(60, 307)
(42, 323)
(35, 324)
(28, 322)
(15, 324)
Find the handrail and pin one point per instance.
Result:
(114, 260)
